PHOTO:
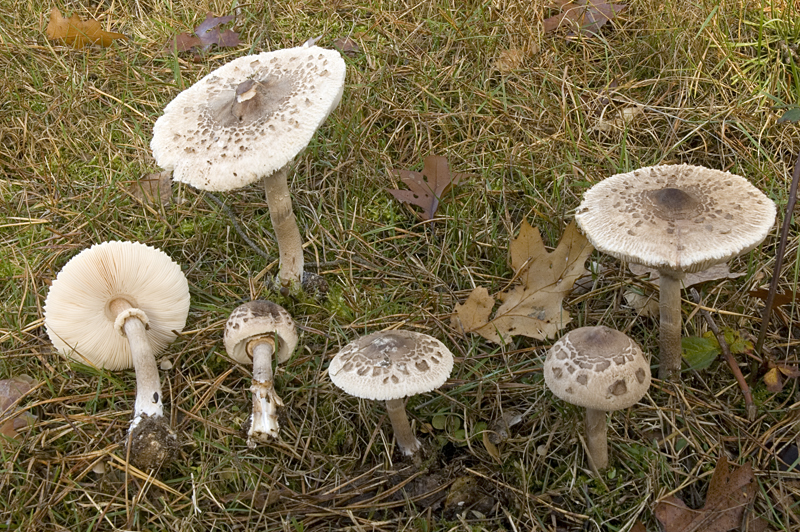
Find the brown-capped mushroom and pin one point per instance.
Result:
(389, 366)
(677, 219)
(254, 332)
(247, 120)
(115, 306)
(601, 370)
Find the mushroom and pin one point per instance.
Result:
(254, 332)
(601, 370)
(677, 219)
(247, 120)
(389, 366)
(117, 305)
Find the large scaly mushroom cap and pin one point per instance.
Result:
(597, 368)
(249, 117)
(78, 318)
(391, 365)
(677, 217)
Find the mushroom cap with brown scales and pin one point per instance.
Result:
(77, 311)
(258, 318)
(597, 368)
(680, 218)
(391, 365)
(248, 118)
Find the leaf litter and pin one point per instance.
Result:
(10, 392)
(534, 306)
(206, 35)
(583, 16)
(79, 33)
(427, 187)
(729, 493)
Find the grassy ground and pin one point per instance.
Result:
(75, 128)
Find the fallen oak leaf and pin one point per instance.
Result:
(78, 33)
(729, 493)
(427, 187)
(585, 16)
(205, 36)
(532, 308)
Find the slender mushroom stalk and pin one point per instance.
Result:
(255, 333)
(669, 307)
(389, 366)
(264, 424)
(290, 243)
(148, 385)
(596, 425)
(408, 443)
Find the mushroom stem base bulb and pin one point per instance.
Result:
(597, 438)
(266, 403)
(152, 443)
(408, 443)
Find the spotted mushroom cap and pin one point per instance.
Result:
(248, 118)
(676, 217)
(77, 312)
(598, 368)
(259, 318)
(391, 365)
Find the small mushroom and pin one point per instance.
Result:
(601, 370)
(677, 219)
(254, 332)
(389, 366)
(247, 120)
(117, 305)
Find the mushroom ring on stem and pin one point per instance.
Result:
(254, 332)
(601, 370)
(677, 219)
(389, 366)
(247, 120)
(114, 306)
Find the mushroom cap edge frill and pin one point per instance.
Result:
(306, 84)
(597, 368)
(256, 318)
(391, 365)
(680, 218)
(76, 311)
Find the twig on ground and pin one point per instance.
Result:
(726, 352)
(776, 273)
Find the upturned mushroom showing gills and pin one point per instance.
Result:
(117, 305)
(246, 121)
(677, 219)
(389, 366)
(601, 370)
(254, 332)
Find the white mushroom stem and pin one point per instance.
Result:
(290, 244)
(408, 443)
(266, 402)
(597, 438)
(148, 385)
(669, 306)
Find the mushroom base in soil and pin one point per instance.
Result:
(389, 366)
(254, 333)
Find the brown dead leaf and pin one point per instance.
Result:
(776, 375)
(427, 187)
(533, 307)
(153, 189)
(779, 299)
(729, 493)
(638, 526)
(10, 391)
(347, 46)
(78, 33)
(714, 273)
(205, 36)
(583, 16)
